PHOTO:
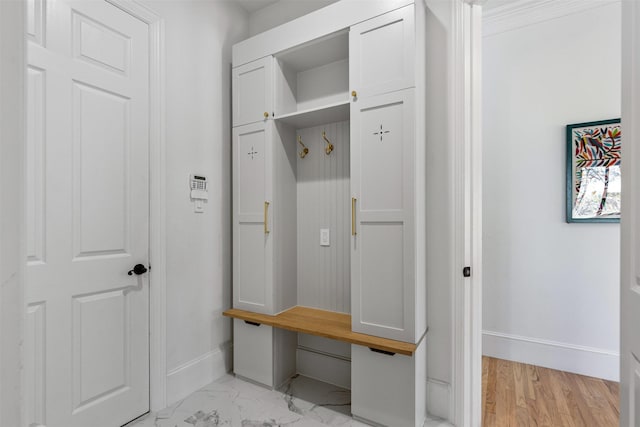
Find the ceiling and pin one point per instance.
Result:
(491, 4)
(253, 5)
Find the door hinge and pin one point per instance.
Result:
(466, 272)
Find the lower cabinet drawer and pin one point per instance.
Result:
(253, 352)
(389, 389)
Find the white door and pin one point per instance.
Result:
(630, 222)
(382, 52)
(383, 233)
(253, 92)
(252, 197)
(87, 349)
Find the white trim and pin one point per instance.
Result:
(12, 211)
(158, 303)
(459, 129)
(439, 399)
(475, 172)
(436, 422)
(629, 224)
(590, 361)
(522, 13)
(197, 373)
(465, 127)
(326, 367)
(157, 203)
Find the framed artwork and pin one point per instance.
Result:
(593, 171)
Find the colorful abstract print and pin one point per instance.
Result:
(597, 166)
(599, 146)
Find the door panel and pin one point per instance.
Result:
(36, 228)
(87, 214)
(252, 250)
(101, 147)
(381, 150)
(251, 156)
(252, 282)
(99, 330)
(35, 362)
(100, 45)
(383, 248)
(36, 10)
(381, 53)
(382, 279)
(252, 92)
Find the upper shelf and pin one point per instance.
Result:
(328, 324)
(325, 50)
(336, 112)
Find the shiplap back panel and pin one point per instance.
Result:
(324, 201)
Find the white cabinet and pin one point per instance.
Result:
(389, 389)
(250, 340)
(263, 354)
(383, 282)
(253, 92)
(351, 167)
(382, 53)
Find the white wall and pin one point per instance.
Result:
(550, 288)
(198, 40)
(282, 11)
(12, 236)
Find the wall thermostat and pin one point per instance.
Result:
(199, 191)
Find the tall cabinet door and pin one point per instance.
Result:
(253, 92)
(252, 192)
(383, 234)
(382, 52)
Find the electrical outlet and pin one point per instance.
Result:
(324, 237)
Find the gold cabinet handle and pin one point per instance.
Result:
(266, 115)
(266, 217)
(354, 93)
(353, 216)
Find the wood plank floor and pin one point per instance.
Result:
(519, 395)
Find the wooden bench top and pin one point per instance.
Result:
(328, 324)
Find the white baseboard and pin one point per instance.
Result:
(195, 374)
(437, 422)
(593, 362)
(328, 368)
(439, 402)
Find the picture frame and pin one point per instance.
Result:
(593, 171)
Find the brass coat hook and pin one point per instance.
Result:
(305, 150)
(329, 148)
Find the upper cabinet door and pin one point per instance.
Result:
(253, 92)
(381, 53)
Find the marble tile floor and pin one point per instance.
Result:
(233, 402)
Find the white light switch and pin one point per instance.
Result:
(324, 237)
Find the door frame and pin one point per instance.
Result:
(466, 131)
(157, 202)
(628, 232)
(13, 251)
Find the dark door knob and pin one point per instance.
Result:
(138, 270)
